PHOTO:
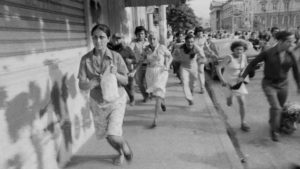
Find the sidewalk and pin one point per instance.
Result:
(187, 137)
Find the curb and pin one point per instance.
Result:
(230, 141)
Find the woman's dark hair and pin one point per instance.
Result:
(237, 33)
(238, 44)
(283, 35)
(198, 29)
(265, 37)
(189, 36)
(139, 29)
(103, 28)
(179, 33)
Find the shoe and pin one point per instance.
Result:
(245, 127)
(119, 160)
(128, 152)
(146, 99)
(229, 101)
(274, 136)
(154, 125)
(201, 91)
(132, 103)
(163, 107)
(190, 102)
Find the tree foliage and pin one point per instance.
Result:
(181, 17)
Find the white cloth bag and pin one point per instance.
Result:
(109, 86)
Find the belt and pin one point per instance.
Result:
(276, 81)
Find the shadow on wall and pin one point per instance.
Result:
(118, 19)
(95, 9)
(38, 131)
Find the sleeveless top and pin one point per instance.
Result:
(234, 68)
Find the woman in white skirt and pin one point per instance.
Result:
(233, 66)
(158, 59)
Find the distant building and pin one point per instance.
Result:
(215, 14)
(233, 15)
(284, 14)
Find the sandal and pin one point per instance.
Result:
(163, 107)
(245, 127)
(229, 101)
(128, 152)
(118, 161)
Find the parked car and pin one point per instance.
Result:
(222, 48)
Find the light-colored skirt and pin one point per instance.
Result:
(239, 92)
(108, 117)
(156, 79)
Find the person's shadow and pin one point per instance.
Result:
(81, 159)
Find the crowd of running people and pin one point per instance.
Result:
(146, 62)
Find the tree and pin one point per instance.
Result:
(181, 17)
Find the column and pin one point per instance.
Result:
(163, 24)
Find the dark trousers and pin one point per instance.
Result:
(130, 89)
(276, 95)
(140, 80)
(176, 69)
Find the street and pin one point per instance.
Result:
(256, 147)
(187, 137)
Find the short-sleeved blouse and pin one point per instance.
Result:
(91, 68)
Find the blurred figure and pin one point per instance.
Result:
(263, 42)
(297, 35)
(277, 60)
(159, 59)
(244, 35)
(138, 45)
(178, 42)
(170, 38)
(273, 40)
(117, 44)
(200, 40)
(237, 35)
(254, 40)
(233, 66)
(189, 55)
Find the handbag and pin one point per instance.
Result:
(236, 86)
(246, 79)
(109, 86)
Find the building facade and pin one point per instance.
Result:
(284, 14)
(256, 15)
(44, 117)
(215, 15)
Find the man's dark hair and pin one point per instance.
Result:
(198, 29)
(179, 33)
(139, 29)
(283, 35)
(189, 36)
(274, 28)
(238, 44)
(101, 27)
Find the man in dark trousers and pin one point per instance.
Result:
(117, 44)
(278, 60)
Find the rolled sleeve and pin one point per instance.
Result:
(122, 70)
(82, 76)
